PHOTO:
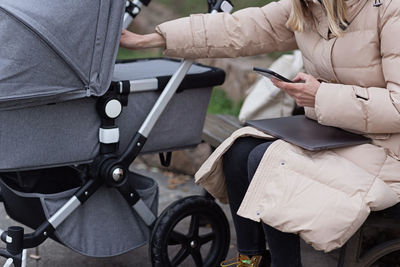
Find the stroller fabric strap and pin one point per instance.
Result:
(109, 136)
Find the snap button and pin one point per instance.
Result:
(282, 163)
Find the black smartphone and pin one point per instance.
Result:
(271, 74)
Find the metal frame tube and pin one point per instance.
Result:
(165, 98)
(8, 262)
(23, 260)
(127, 20)
(64, 211)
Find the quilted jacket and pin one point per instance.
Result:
(323, 196)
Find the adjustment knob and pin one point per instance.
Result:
(113, 108)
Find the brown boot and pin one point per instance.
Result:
(242, 261)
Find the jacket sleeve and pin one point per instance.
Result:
(249, 31)
(370, 110)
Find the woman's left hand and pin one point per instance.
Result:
(302, 92)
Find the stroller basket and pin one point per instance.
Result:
(34, 196)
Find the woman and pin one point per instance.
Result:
(351, 54)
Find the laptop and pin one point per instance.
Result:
(307, 133)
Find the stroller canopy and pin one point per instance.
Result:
(56, 50)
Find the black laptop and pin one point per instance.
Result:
(307, 133)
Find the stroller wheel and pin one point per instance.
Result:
(193, 231)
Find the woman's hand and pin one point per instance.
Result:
(302, 92)
(135, 41)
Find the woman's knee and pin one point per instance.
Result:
(255, 157)
(235, 159)
(239, 151)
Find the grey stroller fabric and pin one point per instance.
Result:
(56, 50)
(67, 133)
(120, 230)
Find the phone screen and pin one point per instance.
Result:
(271, 74)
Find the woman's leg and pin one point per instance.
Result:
(284, 247)
(250, 235)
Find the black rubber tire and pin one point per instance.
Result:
(203, 212)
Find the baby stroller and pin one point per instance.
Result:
(72, 122)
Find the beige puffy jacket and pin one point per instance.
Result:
(324, 196)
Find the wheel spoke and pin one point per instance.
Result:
(176, 238)
(194, 225)
(183, 253)
(197, 258)
(206, 238)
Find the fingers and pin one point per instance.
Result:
(292, 89)
(287, 86)
(129, 40)
(301, 77)
(303, 93)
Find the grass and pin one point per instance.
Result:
(220, 104)
(144, 53)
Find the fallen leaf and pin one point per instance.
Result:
(34, 256)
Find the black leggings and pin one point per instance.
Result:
(240, 163)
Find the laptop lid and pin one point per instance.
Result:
(307, 133)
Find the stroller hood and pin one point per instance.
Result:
(56, 50)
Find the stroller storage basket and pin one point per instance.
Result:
(69, 131)
(32, 197)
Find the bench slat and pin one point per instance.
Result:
(219, 127)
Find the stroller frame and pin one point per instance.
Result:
(107, 168)
(111, 169)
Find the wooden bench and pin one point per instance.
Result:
(219, 127)
(369, 246)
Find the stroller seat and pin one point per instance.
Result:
(67, 133)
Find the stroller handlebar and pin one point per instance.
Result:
(132, 9)
(215, 6)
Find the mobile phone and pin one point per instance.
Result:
(271, 74)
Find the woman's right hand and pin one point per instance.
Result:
(135, 41)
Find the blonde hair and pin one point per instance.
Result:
(334, 9)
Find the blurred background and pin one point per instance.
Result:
(228, 98)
